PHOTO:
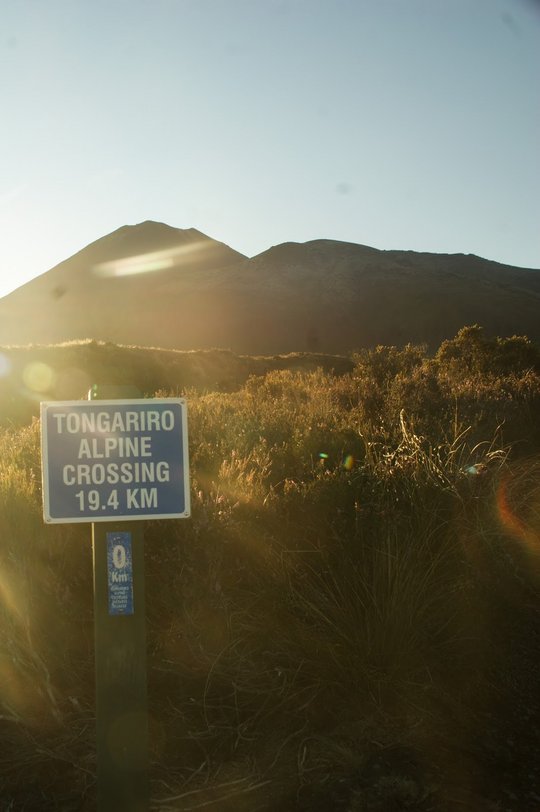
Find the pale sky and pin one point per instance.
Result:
(409, 124)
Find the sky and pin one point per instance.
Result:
(399, 124)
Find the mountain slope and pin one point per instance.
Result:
(157, 286)
(115, 289)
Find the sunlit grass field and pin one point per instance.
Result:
(332, 628)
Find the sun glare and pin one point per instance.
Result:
(38, 377)
(5, 365)
(148, 263)
(514, 524)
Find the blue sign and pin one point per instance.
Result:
(120, 573)
(115, 460)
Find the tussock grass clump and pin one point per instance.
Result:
(325, 631)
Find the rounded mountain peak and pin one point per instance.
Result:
(146, 237)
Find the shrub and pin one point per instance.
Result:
(331, 594)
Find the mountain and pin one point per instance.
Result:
(123, 288)
(154, 285)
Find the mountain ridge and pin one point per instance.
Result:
(150, 284)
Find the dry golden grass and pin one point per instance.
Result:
(322, 631)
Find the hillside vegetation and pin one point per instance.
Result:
(30, 374)
(349, 621)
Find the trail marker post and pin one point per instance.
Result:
(113, 461)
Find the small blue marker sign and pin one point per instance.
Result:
(120, 573)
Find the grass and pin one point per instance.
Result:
(324, 632)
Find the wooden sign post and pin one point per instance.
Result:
(120, 667)
(120, 661)
(114, 462)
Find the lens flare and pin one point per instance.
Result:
(5, 365)
(38, 377)
(348, 462)
(9, 590)
(512, 523)
(147, 263)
